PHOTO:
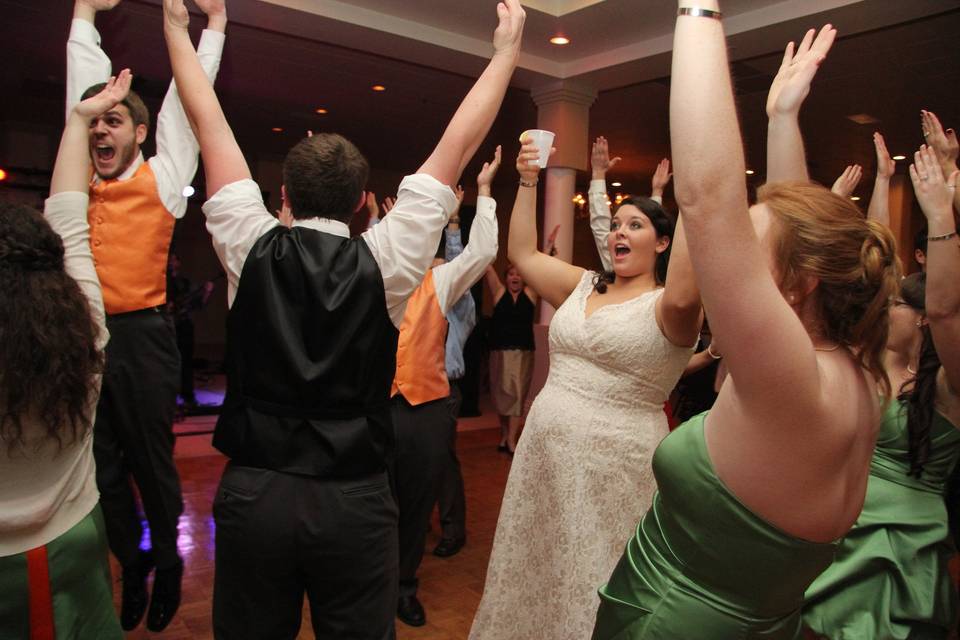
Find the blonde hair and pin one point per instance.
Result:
(825, 236)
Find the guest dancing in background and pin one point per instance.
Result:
(753, 495)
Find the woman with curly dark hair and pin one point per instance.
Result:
(54, 574)
(890, 577)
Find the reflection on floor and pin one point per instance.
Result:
(450, 588)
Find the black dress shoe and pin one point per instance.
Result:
(448, 547)
(134, 599)
(166, 597)
(410, 611)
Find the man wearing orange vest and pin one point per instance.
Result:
(133, 207)
(420, 410)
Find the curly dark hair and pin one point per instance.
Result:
(48, 341)
(918, 392)
(664, 225)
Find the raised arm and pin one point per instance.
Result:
(494, 283)
(879, 209)
(473, 119)
(453, 279)
(943, 258)
(175, 163)
(223, 162)
(660, 180)
(946, 145)
(846, 184)
(765, 346)
(600, 164)
(679, 313)
(87, 64)
(551, 278)
(786, 157)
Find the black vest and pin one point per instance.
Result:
(512, 324)
(311, 354)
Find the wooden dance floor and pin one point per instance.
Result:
(450, 588)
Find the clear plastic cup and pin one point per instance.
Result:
(543, 140)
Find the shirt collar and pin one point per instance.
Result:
(326, 225)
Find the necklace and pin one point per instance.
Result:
(911, 370)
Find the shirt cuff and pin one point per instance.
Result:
(67, 203)
(486, 206)
(425, 185)
(229, 196)
(84, 31)
(598, 186)
(657, 199)
(211, 42)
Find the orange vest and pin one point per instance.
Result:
(421, 371)
(130, 233)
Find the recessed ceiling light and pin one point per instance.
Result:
(322, 111)
(560, 40)
(899, 157)
(863, 118)
(3, 175)
(277, 129)
(855, 198)
(750, 172)
(378, 87)
(616, 184)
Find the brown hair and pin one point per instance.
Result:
(138, 110)
(48, 354)
(825, 236)
(324, 176)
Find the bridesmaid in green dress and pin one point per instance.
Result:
(890, 578)
(753, 496)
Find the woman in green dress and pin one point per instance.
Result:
(753, 495)
(890, 578)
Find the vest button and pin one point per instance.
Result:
(99, 220)
(97, 242)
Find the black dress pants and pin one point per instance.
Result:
(185, 343)
(452, 503)
(422, 441)
(133, 436)
(281, 535)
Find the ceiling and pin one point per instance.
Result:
(286, 58)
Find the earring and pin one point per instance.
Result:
(919, 323)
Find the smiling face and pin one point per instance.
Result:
(513, 280)
(115, 141)
(633, 242)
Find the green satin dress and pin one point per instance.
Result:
(701, 565)
(890, 577)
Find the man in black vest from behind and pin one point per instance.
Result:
(304, 504)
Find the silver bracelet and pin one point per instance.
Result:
(945, 236)
(713, 355)
(697, 12)
(528, 184)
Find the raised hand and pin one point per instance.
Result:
(507, 37)
(373, 211)
(388, 205)
(98, 5)
(847, 183)
(489, 170)
(661, 177)
(885, 164)
(792, 84)
(459, 193)
(600, 160)
(527, 161)
(934, 191)
(114, 92)
(175, 15)
(216, 12)
(943, 142)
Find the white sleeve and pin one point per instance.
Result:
(452, 279)
(176, 161)
(600, 220)
(236, 218)
(406, 239)
(87, 64)
(67, 214)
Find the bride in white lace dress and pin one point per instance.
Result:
(582, 476)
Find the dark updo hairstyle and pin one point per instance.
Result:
(854, 260)
(663, 224)
(918, 392)
(48, 340)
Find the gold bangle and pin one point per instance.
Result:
(945, 236)
(529, 185)
(697, 12)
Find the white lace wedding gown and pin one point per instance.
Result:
(581, 478)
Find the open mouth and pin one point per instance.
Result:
(621, 250)
(105, 153)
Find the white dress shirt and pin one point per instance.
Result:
(176, 161)
(600, 219)
(453, 279)
(403, 243)
(47, 489)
